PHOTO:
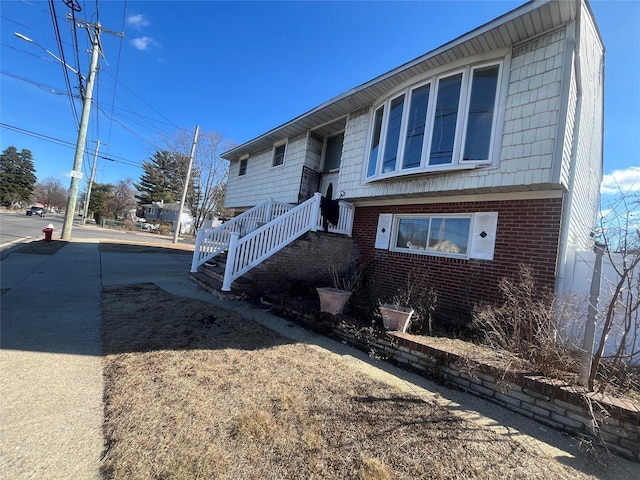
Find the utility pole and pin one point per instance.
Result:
(91, 180)
(186, 186)
(76, 172)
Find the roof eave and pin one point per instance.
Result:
(501, 32)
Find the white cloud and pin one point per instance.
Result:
(621, 181)
(144, 43)
(138, 21)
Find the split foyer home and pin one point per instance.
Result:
(461, 165)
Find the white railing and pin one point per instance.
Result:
(249, 251)
(210, 243)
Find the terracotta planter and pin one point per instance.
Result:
(395, 318)
(333, 300)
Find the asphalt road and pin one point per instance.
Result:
(16, 227)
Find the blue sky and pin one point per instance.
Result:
(242, 68)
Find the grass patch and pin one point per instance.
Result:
(193, 391)
(119, 247)
(40, 247)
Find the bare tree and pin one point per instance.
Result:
(620, 231)
(209, 172)
(123, 199)
(50, 192)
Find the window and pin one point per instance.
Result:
(444, 123)
(481, 113)
(333, 153)
(416, 123)
(445, 120)
(243, 167)
(438, 235)
(278, 154)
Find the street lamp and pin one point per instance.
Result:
(76, 173)
(27, 39)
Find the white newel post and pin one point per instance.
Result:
(315, 211)
(196, 251)
(231, 255)
(269, 211)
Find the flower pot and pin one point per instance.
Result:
(333, 300)
(395, 318)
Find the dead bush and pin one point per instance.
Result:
(529, 324)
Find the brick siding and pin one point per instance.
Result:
(527, 233)
(307, 260)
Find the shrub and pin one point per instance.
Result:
(527, 324)
(165, 229)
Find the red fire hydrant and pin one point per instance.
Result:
(48, 232)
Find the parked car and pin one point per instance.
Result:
(36, 211)
(149, 227)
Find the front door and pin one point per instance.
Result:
(331, 158)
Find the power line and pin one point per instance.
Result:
(54, 19)
(64, 143)
(41, 86)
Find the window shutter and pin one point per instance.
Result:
(483, 236)
(383, 234)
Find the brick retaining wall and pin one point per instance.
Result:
(614, 421)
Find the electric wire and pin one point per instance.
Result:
(65, 143)
(110, 113)
(41, 86)
(54, 19)
(119, 58)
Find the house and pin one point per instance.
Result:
(478, 156)
(168, 213)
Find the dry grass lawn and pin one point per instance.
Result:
(193, 391)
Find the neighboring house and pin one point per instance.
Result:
(479, 156)
(168, 213)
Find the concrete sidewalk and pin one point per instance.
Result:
(50, 364)
(51, 386)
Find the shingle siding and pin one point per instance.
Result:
(527, 146)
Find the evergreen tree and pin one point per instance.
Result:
(17, 176)
(163, 178)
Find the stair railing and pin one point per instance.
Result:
(249, 251)
(210, 243)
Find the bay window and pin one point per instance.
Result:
(446, 122)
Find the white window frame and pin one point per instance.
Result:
(481, 238)
(273, 154)
(324, 152)
(457, 162)
(396, 229)
(244, 159)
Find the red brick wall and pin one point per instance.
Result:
(308, 259)
(527, 233)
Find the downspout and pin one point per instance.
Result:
(566, 219)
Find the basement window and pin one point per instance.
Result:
(470, 235)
